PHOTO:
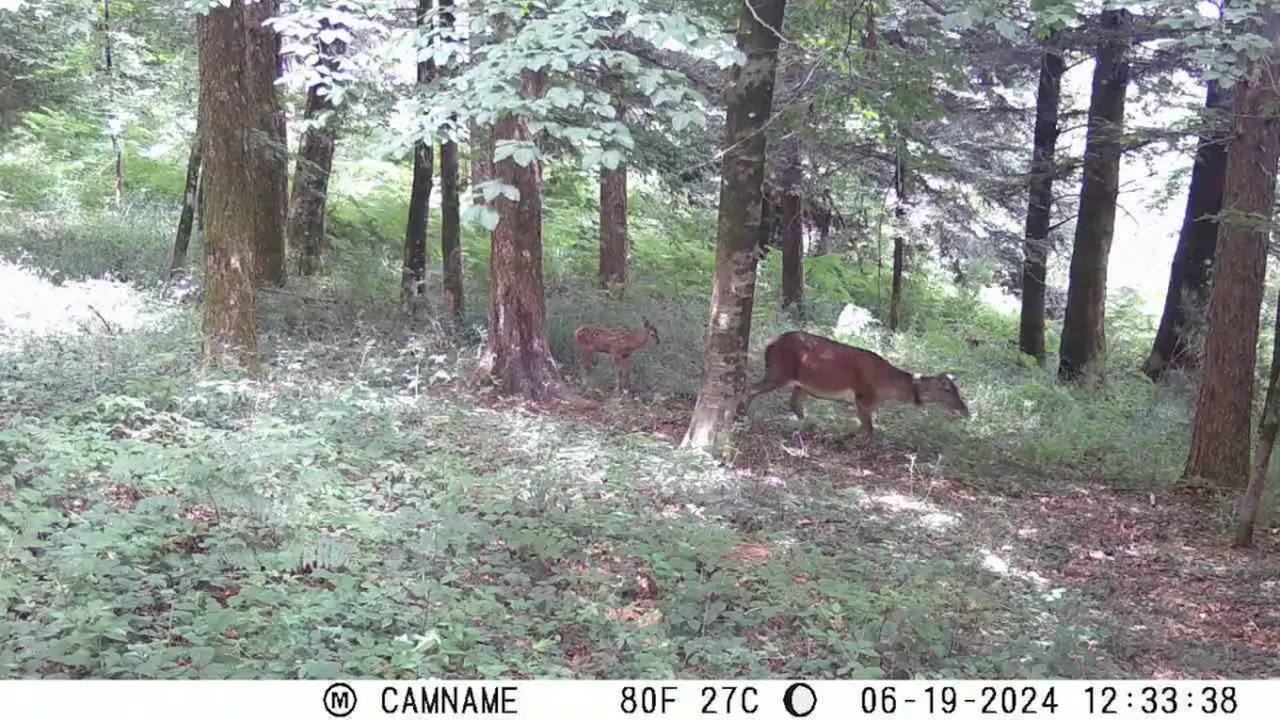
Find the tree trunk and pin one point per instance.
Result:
(749, 99)
(114, 128)
(792, 253)
(1039, 206)
(271, 173)
(183, 239)
(1247, 511)
(306, 228)
(235, 219)
(895, 287)
(450, 213)
(1220, 434)
(1083, 347)
(481, 155)
(613, 229)
(413, 274)
(518, 359)
(1184, 302)
(790, 209)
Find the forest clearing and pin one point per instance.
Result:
(385, 339)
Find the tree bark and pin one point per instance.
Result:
(895, 287)
(114, 128)
(1039, 205)
(306, 228)
(613, 229)
(450, 211)
(414, 272)
(185, 220)
(1083, 347)
(518, 359)
(792, 222)
(1220, 433)
(749, 97)
(481, 155)
(1184, 302)
(234, 215)
(792, 253)
(271, 173)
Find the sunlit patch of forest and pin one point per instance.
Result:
(628, 339)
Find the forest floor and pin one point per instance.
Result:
(357, 514)
(1154, 571)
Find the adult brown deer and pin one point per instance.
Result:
(620, 344)
(823, 368)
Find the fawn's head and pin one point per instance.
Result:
(653, 332)
(941, 390)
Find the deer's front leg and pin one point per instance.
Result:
(620, 367)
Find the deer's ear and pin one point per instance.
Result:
(950, 377)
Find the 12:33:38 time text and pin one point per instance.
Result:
(1152, 700)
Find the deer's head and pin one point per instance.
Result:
(941, 390)
(653, 332)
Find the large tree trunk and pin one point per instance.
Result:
(1184, 302)
(450, 211)
(1039, 205)
(1220, 435)
(185, 220)
(235, 216)
(271, 172)
(613, 229)
(413, 274)
(1247, 511)
(306, 229)
(518, 359)
(749, 99)
(1083, 347)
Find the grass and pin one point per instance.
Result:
(357, 513)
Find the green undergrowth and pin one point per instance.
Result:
(163, 523)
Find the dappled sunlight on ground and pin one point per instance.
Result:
(32, 306)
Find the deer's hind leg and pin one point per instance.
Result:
(798, 396)
(866, 410)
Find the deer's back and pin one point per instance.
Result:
(827, 368)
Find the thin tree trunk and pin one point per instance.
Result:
(1184, 302)
(413, 275)
(113, 117)
(518, 358)
(183, 239)
(271, 176)
(1039, 205)
(1083, 347)
(792, 253)
(791, 207)
(749, 97)
(895, 287)
(306, 229)
(1247, 511)
(1220, 433)
(613, 229)
(235, 220)
(450, 213)
(450, 229)
(481, 156)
